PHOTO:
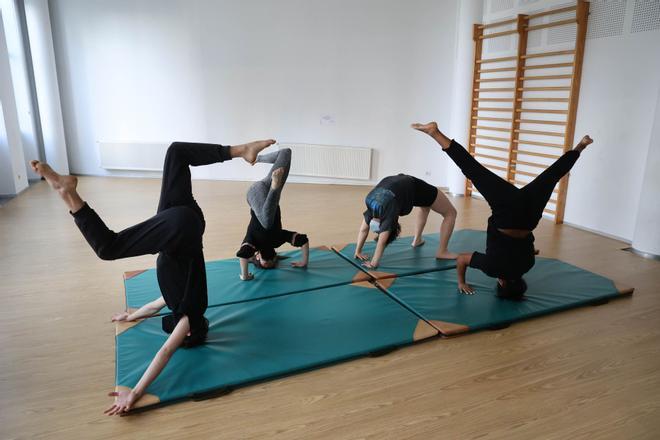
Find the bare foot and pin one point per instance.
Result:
(277, 178)
(58, 182)
(428, 128)
(417, 242)
(252, 149)
(64, 185)
(446, 255)
(584, 142)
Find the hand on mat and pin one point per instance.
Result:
(248, 277)
(300, 264)
(360, 256)
(466, 289)
(369, 265)
(124, 401)
(121, 316)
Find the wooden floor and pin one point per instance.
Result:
(587, 373)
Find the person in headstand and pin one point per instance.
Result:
(395, 196)
(510, 251)
(264, 232)
(175, 234)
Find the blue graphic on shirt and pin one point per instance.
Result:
(378, 200)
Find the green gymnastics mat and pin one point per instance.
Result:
(400, 259)
(552, 286)
(325, 269)
(253, 340)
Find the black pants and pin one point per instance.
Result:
(174, 233)
(513, 208)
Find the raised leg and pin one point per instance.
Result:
(538, 191)
(495, 190)
(264, 196)
(176, 189)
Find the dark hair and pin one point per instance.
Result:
(512, 289)
(268, 253)
(394, 233)
(197, 336)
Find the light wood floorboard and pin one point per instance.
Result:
(588, 373)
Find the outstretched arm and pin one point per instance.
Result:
(147, 310)
(125, 400)
(362, 237)
(462, 263)
(245, 272)
(380, 248)
(305, 256)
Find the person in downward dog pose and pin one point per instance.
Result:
(515, 213)
(175, 234)
(264, 232)
(395, 196)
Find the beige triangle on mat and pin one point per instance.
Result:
(423, 331)
(449, 328)
(133, 273)
(623, 289)
(122, 326)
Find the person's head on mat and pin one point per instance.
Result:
(265, 258)
(511, 288)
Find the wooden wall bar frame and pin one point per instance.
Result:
(522, 28)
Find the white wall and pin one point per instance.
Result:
(229, 71)
(46, 85)
(12, 161)
(620, 82)
(19, 73)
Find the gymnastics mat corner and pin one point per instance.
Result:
(256, 340)
(554, 286)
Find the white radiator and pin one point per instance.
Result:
(331, 161)
(134, 156)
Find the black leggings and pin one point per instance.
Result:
(175, 232)
(514, 208)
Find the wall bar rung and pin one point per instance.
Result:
(530, 164)
(494, 80)
(499, 69)
(499, 34)
(548, 66)
(497, 24)
(543, 99)
(495, 89)
(540, 121)
(483, 127)
(543, 133)
(549, 54)
(540, 144)
(534, 153)
(552, 12)
(542, 110)
(536, 78)
(489, 147)
(496, 60)
(494, 99)
(492, 109)
(491, 138)
(551, 24)
(545, 89)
